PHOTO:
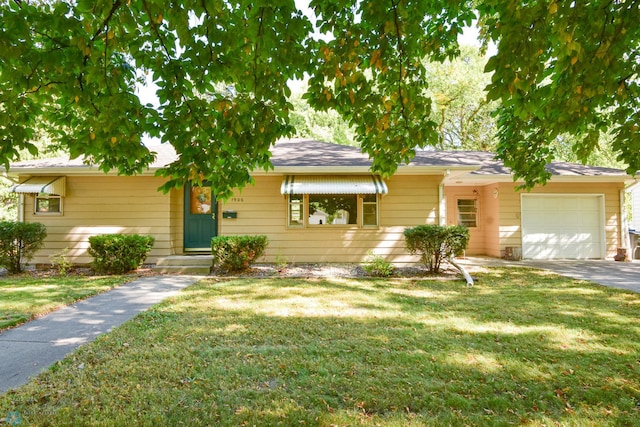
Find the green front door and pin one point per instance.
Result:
(200, 223)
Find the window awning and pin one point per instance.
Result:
(359, 184)
(42, 185)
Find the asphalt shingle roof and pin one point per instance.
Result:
(311, 153)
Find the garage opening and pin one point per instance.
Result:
(562, 226)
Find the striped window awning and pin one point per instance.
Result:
(357, 184)
(50, 185)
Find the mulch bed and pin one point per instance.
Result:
(318, 270)
(324, 270)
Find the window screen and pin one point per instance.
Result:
(467, 212)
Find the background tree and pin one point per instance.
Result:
(460, 109)
(602, 155)
(73, 68)
(321, 125)
(8, 201)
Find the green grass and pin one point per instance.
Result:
(25, 297)
(520, 348)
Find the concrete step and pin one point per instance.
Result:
(186, 260)
(183, 269)
(197, 265)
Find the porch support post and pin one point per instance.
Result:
(21, 207)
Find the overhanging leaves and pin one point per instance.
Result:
(72, 69)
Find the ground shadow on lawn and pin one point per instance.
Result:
(343, 352)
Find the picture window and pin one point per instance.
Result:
(332, 210)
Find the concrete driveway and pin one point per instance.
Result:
(623, 275)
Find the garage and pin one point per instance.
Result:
(562, 226)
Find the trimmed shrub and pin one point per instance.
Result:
(377, 266)
(435, 242)
(19, 241)
(60, 262)
(119, 253)
(237, 253)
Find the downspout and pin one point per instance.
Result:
(625, 238)
(464, 272)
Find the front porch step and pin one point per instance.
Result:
(196, 265)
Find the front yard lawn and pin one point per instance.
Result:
(520, 348)
(25, 297)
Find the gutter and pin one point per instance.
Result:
(633, 183)
(70, 171)
(6, 176)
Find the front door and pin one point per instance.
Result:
(200, 223)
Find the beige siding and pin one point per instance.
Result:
(261, 209)
(491, 220)
(510, 209)
(107, 204)
(101, 205)
(177, 221)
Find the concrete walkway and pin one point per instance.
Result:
(28, 349)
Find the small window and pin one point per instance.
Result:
(48, 205)
(296, 210)
(467, 212)
(370, 210)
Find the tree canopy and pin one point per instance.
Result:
(72, 70)
(460, 109)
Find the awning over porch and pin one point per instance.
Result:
(345, 184)
(55, 185)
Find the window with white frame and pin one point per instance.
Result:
(468, 212)
(47, 204)
(370, 210)
(296, 210)
(332, 210)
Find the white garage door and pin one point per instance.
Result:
(562, 226)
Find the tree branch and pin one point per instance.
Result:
(105, 22)
(401, 54)
(37, 88)
(156, 31)
(255, 55)
(206, 12)
(106, 59)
